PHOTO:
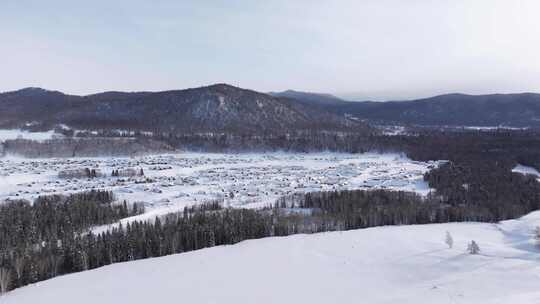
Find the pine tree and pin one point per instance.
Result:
(449, 240)
(473, 248)
(5, 280)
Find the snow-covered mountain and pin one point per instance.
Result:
(405, 264)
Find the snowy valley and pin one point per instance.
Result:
(170, 182)
(270, 152)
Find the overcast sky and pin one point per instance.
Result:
(373, 49)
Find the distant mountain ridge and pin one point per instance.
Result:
(222, 108)
(513, 110)
(216, 108)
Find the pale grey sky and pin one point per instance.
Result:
(374, 49)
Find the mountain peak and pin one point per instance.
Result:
(309, 97)
(34, 91)
(221, 87)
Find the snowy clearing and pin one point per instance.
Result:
(23, 134)
(399, 264)
(173, 181)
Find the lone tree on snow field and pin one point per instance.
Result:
(473, 248)
(537, 235)
(449, 240)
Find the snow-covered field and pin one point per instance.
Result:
(17, 133)
(398, 264)
(173, 181)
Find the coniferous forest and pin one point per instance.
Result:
(42, 240)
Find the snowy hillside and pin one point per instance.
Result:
(526, 170)
(407, 264)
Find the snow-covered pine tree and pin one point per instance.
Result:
(473, 248)
(449, 240)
